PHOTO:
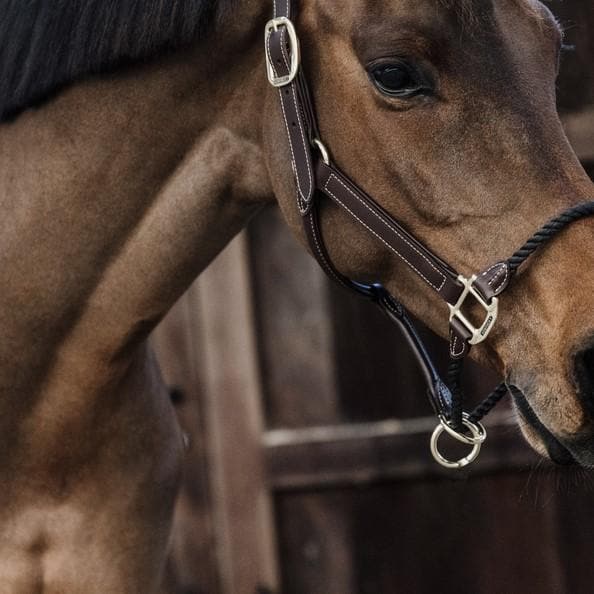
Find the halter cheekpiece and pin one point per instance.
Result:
(316, 176)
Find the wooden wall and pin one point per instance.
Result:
(308, 470)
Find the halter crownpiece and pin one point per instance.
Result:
(316, 176)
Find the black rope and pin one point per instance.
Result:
(548, 231)
(482, 410)
(489, 403)
(455, 385)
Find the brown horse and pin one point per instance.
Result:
(138, 140)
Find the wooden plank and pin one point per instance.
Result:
(295, 331)
(296, 349)
(242, 507)
(373, 359)
(488, 534)
(366, 453)
(315, 535)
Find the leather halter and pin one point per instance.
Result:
(316, 176)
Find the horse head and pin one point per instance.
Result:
(445, 113)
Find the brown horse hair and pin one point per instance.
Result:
(470, 12)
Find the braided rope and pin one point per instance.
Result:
(455, 384)
(482, 410)
(489, 403)
(548, 231)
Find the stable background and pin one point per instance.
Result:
(309, 470)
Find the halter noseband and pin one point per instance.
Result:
(316, 176)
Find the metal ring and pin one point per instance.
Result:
(323, 150)
(479, 434)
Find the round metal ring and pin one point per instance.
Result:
(479, 435)
(478, 432)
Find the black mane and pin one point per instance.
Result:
(47, 44)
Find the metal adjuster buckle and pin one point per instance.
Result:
(492, 309)
(477, 436)
(274, 25)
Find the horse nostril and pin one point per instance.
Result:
(584, 375)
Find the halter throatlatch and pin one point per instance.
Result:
(316, 176)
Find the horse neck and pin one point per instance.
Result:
(116, 194)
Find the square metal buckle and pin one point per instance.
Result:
(274, 25)
(492, 309)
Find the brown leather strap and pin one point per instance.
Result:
(299, 122)
(389, 232)
(283, 8)
(297, 132)
(314, 177)
(311, 225)
(493, 281)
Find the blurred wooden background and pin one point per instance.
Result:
(309, 470)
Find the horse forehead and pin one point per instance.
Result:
(366, 11)
(427, 13)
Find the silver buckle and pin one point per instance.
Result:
(476, 440)
(492, 309)
(274, 25)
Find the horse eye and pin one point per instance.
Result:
(398, 80)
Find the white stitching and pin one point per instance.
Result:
(397, 233)
(307, 161)
(301, 197)
(269, 54)
(285, 118)
(486, 273)
(453, 345)
(391, 247)
(287, 8)
(502, 283)
(280, 92)
(503, 268)
(327, 266)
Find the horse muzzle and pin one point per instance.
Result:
(562, 448)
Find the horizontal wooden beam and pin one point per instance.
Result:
(360, 454)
